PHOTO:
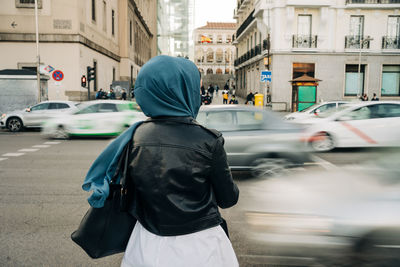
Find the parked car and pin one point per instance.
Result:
(345, 217)
(314, 110)
(365, 124)
(94, 118)
(255, 139)
(34, 116)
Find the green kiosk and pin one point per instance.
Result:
(304, 92)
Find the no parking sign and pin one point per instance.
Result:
(58, 75)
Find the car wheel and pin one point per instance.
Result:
(60, 133)
(322, 142)
(269, 167)
(14, 124)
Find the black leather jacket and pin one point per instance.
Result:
(180, 175)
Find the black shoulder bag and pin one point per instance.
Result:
(106, 231)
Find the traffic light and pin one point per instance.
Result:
(91, 73)
(83, 81)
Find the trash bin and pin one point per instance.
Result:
(259, 100)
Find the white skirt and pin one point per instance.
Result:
(209, 247)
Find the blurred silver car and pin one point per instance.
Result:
(345, 217)
(34, 116)
(255, 139)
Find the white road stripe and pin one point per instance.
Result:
(2, 159)
(13, 154)
(28, 150)
(52, 143)
(41, 146)
(325, 164)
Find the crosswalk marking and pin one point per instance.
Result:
(41, 146)
(52, 143)
(13, 154)
(28, 150)
(2, 159)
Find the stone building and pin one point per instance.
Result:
(214, 53)
(115, 36)
(352, 46)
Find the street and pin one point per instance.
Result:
(42, 203)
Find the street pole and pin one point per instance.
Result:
(37, 53)
(359, 70)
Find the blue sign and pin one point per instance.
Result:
(266, 76)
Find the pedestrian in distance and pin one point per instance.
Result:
(203, 90)
(178, 171)
(211, 90)
(216, 89)
(111, 94)
(233, 100)
(225, 96)
(123, 94)
(207, 99)
(364, 97)
(99, 94)
(374, 98)
(250, 99)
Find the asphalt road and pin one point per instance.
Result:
(42, 203)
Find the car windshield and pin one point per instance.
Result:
(331, 111)
(309, 108)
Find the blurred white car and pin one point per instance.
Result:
(314, 110)
(34, 116)
(95, 118)
(344, 217)
(365, 124)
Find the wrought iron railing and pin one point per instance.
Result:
(246, 23)
(304, 41)
(354, 42)
(391, 42)
(372, 2)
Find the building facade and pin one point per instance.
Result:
(115, 36)
(175, 23)
(214, 52)
(352, 46)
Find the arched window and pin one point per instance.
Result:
(210, 71)
(199, 55)
(228, 55)
(210, 55)
(219, 55)
(219, 39)
(227, 71)
(219, 71)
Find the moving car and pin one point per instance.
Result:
(314, 110)
(34, 116)
(364, 124)
(344, 217)
(255, 139)
(94, 118)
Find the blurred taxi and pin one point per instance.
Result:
(314, 110)
(364, 124)
(94, 118)
(255, 139)
(344, 217)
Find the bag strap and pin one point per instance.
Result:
(122, 163)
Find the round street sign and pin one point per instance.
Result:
(58, 75)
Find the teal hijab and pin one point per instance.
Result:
(168, 86)
(165, 86)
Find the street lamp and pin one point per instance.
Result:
(362, 42)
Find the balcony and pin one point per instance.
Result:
(304, 41)
(391, 42)
(246, 23)
(348, 2)
(354, 42)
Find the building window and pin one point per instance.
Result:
(219, 71)
(354, 80)
(113, 73)
(130, 32)
(210, 71)
(304, 25)
(392, 38)
(112, 22)
(219, 39)
(210, 55)
(219, 55)
(27, 3)
(94, 10)
(390, 80)
(104, 16)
